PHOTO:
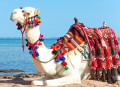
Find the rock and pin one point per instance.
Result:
(11, 70)
(7, 76)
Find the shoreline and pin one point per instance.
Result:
(24, 80)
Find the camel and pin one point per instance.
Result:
(79, 66)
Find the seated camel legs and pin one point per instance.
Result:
(70, 79)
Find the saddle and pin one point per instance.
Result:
(103, 45)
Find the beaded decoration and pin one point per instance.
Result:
(33, 47)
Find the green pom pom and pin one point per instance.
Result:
(39, 17)
(29, 18)
(66, 67)
(92, 51)
(98, 51)
(71, 37)
(30, 26)
(57, 50)
(112, 51)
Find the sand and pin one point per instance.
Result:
(26, 82)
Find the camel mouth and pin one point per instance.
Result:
(12, 19)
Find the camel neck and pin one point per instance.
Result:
(32, 34)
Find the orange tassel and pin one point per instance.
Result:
(52, 47)
(25, 14)
(39, 43)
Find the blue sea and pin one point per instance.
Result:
(12, 56)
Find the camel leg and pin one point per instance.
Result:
(40, 81)
(70, 79)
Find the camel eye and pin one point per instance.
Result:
(28, 13)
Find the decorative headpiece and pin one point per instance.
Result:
(32, 22)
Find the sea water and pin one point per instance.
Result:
(12, 56)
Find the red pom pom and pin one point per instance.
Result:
(64, 63)
(41, 35)
(57, 46)
(39, 21)
(52, 47)
(56, 57)
(58, 39)
(39, 43)
(28, 44)
(34, 54)
(20, 7)
(63, 53)
(116, 42)
(32, 17)
(29, 22)
(62, 44)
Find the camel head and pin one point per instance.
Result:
(21, 14)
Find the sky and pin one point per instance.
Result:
(58, 15)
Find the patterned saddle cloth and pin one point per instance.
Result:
(102, 42)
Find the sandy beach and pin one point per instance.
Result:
(26, 82)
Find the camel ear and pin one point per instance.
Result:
(36, 11)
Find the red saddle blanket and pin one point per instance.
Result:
(102, 42)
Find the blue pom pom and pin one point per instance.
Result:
(112, 41)
(35, 25)
(31, 52)
(93, 42)
(41, 39)
(60, 51)
(32, 22)
(60, 37)
(62, 58)
(36, 47)
(35, 16)
(23, 11)
(37, 54)
(57, 60)
(18, 28)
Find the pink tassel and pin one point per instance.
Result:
(33, 26)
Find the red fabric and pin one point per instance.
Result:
(100, 41)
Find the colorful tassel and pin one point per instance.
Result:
(29, 48)
(57, 60)
(92, 72)
(52, 47)
(36, 47)
(39, 43)
(31, 52)
(62, 58)
(66, 67)
(109, 76)
(54, 52)
(98, 51)
(34, 54)
(30, 26)
(113, 75)
(103, 75)
(97, 74)
(64, 63)
(112, 51)
(41, 39)
(37, 54)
